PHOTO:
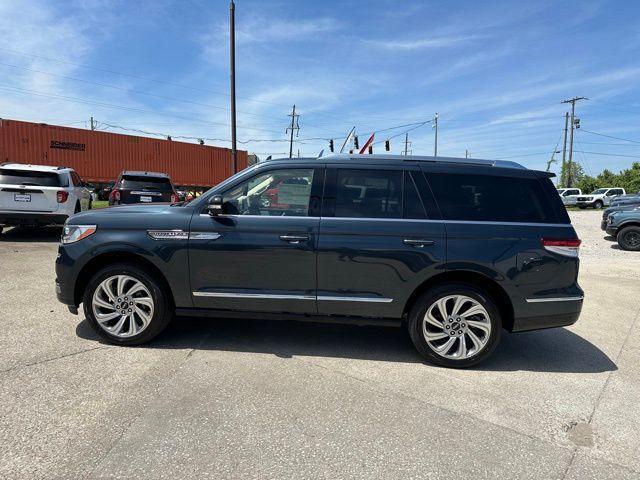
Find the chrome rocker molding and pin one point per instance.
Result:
(555, 299)
(269, 296)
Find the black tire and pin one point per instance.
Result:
(629, 238)
(163, 309)
(598, 204)
(425, 302)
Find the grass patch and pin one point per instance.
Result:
(100, 204)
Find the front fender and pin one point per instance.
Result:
(76, 262)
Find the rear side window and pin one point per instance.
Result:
(134, 182)
(491, 198)
(31, 177)
(369, 193)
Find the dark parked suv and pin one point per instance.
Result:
(142, 187)
(454, 249)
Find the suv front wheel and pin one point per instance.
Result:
(455, 325)
(125, 305)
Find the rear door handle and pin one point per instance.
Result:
(418, 243)
(295, 239)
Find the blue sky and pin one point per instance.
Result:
(495, 71)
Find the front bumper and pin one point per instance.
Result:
(19, 219)
(611, 230)
(585, 204)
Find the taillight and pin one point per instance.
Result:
(563, 246)
(62, 196)
(174, 198)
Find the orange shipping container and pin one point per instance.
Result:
(101, 156)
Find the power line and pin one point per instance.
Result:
(609, 136)
(119, 107)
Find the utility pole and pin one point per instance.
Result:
(293, 127)
(435, 144)
(563, 170)
(93, 127)
(406, 142)
(466, 153)
(232, 63)
(572, 101)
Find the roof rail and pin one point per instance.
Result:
(420, 158)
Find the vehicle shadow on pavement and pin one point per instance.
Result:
(43, 234)
(555, 350)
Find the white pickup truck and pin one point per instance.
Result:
(569, 196)
(599, 198)
(32, 195)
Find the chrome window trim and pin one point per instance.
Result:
(555, 299)
(363, 219)
(271, 296)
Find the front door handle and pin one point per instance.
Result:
(418, 243)
(294, 239)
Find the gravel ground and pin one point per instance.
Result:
(600, 251)
(260, 399)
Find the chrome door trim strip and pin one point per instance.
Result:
(266, 296)
(272, 296)
(355, 299)
(555, 299)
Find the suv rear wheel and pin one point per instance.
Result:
(455, 325)
(629, 238)
(125, 305)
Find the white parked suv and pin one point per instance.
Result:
(599, 198)
(32, 195)
(569, 196)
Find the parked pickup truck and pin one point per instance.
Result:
(599, 198)
(569, 196)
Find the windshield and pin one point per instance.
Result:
(132, 182)
(31, 177)
(599, 191)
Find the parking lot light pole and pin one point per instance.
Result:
(232, 55)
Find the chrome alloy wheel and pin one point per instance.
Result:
(122, 306)
(456, 327)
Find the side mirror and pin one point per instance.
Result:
(215, 206)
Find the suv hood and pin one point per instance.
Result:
(133, 217)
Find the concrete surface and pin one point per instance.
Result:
(256, 399)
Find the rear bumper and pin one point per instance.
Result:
(16, 219)
(550, 313)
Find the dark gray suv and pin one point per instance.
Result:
(453, 249)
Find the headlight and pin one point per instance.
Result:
(75, 233)
(589, 199)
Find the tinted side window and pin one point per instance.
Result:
(283, 192)
(491, 198)
(411, 204)
(369, 193)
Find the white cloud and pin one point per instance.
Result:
(427, 43)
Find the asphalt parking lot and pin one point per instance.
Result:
(256, 399)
